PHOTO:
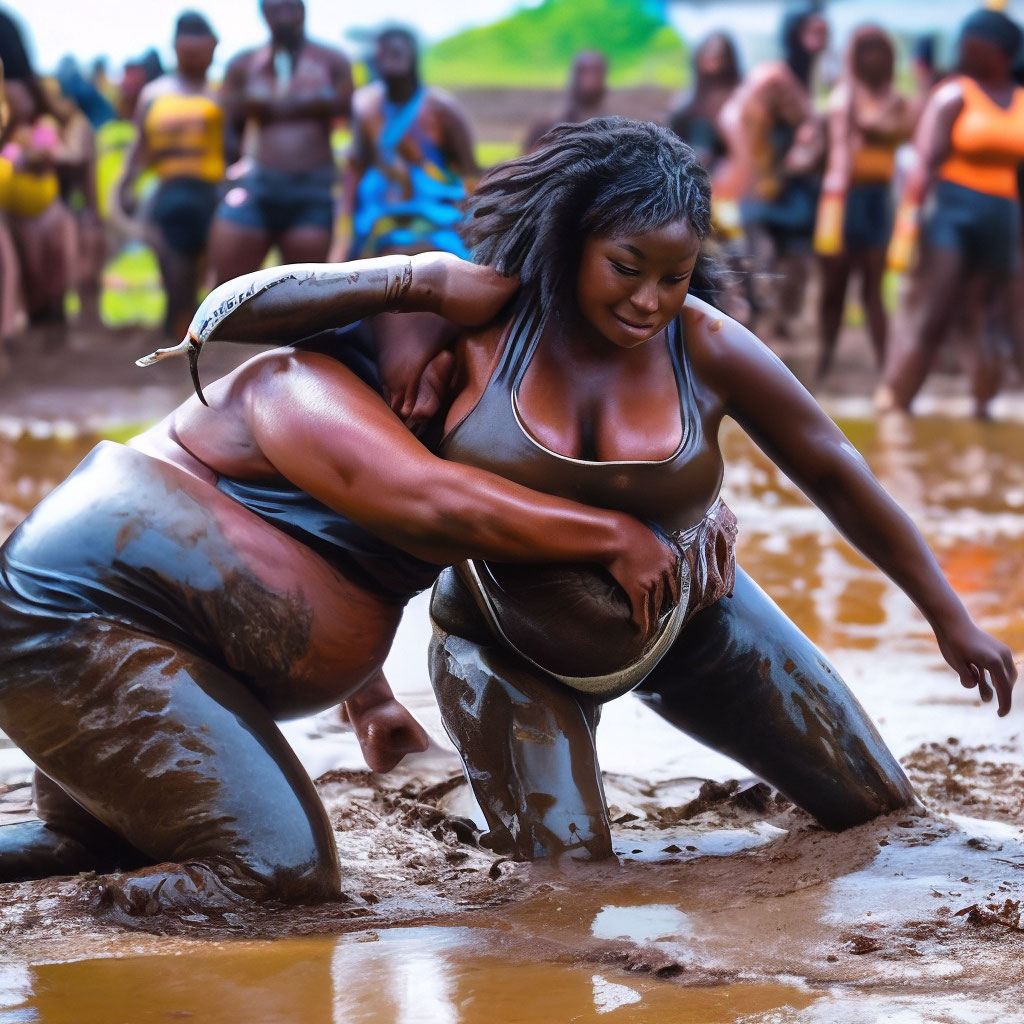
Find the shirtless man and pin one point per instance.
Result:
(412, 154)
(291, 90)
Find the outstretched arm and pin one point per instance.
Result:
(785, 421)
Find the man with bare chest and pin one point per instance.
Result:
(287, 93)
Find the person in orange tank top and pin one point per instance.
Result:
(969, 144)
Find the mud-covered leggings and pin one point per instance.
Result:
(160, 756)
(741, 679)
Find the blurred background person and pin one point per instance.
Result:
(412, 157)
(76, 177)
(716, 75)
(180, 137)
(773, 165)
(586, 95)
(968, 146)
(867, 120)
(37, 217)
(290, 91)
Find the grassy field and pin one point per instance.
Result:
(534, 47)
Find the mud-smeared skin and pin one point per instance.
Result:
(163, 748)
(741, 679)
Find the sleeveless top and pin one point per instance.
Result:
(982, 128)
(678, 495)
(185, 134)
(674, 493)
(360, 556)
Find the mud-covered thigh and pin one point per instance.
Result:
(743, 679)
(174, 755)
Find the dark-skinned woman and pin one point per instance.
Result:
(606, 382)
(247, 560)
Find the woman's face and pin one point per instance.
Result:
(631, 286)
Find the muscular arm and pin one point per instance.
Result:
(232, 99)
(326, 432)
(458, 141)
(789, 426)
(138, 157)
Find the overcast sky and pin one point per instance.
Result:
(122, 29)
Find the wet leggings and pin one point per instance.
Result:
(149, 753)
(741, 679)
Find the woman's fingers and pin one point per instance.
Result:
(1003, 681)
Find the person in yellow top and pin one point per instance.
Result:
(181, 139)
(867, 120)
(969, 144)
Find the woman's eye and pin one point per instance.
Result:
(672, 281)
(623, 269)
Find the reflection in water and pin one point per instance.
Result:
(962, 482)
(646, 923)
(406, 976)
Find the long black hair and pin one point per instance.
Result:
(606, 176)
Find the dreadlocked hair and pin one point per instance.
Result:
(607, 176)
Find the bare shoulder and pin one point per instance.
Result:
(239, 64)
(482, 344)
(442, 101)
(721, 351)
(330, 55)
(948, 96)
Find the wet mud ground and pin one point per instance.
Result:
(725, 904)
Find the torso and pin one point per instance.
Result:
(638, 435)
(299, 144)
(184, 131)
(986, 141)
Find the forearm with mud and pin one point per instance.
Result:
(848, 493)
(287, 303)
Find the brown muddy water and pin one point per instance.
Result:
(720, 909)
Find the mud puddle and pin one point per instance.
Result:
(725, 904)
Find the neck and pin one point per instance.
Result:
(193, 79)
(401, 90)
(290, 45)
(582, 345)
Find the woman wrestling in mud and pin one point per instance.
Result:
(173, 597)
(606, 381)
(602, 380)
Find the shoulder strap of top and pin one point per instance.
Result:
(520, 343)
(684, 380)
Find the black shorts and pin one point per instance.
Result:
(983, 229)
(277, 201)
(183, 210)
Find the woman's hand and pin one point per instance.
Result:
(647, 569)
(980, 660)
(386, 730)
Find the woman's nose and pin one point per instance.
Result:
(645, 298)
